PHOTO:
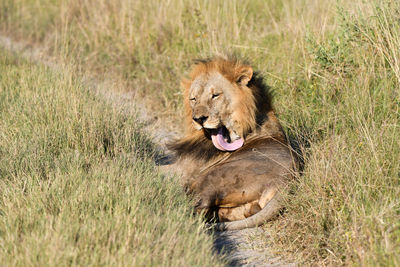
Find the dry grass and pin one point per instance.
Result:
(77, 181)
(334, 68)
(151, 43)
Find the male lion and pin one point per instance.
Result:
(234, 158)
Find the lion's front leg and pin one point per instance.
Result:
(229, 197)
(238, 213)
(228, 206)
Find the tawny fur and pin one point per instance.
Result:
(242, 187)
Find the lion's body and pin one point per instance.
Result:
(246, 182)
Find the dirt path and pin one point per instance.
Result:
(242, 248)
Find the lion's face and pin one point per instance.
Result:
(212, 100)
(220, 102)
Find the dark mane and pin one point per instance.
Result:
(262, 95)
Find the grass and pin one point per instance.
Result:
(151, 44)
(335, 71)
(77, 181)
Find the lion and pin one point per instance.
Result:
(234, 158)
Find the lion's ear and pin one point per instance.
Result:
(245, 74)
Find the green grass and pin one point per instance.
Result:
(334, 67)
(77, 181)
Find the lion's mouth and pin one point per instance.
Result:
(222, 141)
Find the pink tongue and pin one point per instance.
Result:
(220, 143)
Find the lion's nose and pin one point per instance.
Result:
(200, 120)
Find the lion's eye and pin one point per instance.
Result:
(192, 99)
(215, 95)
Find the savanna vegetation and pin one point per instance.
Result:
(334, 67)
(78, 184)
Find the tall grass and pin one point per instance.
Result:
(346, 209)
(151, 43)
(334, 68)
(77, 182)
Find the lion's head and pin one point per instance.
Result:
(226, 103)
(219, 102)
